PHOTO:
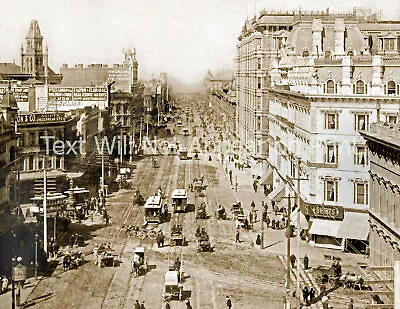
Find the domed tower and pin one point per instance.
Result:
(33, 59)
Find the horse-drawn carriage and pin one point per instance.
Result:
(203, 241)
(72, 260)
(177, 238)
(201, 211)
(139, 263)
(138, 198)
(220, 213)
(237, 210)
(155, 162)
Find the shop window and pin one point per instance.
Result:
(361, 193)
(30, 163)
(391, 118)
(331, 121)
(259, 83)
(361, 122)
(331, 190)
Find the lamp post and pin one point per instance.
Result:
(36, 254)
(15, 261)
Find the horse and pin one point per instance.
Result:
(67, 262)
(136, 264)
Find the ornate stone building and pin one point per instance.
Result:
(384, 155)
(326, 77)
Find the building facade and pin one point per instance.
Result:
(222, 99)
(123, 75)
(384, 156)
(328, 77)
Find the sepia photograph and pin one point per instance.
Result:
(187, 154)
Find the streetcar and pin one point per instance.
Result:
(173, 288)
(179, 200)
(183, 153)
(152, 210)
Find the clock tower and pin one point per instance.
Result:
(33, 59)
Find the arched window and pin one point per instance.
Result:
(350, 53)
(306, 53)
(391, 87)
(360, 88)
(330, 86)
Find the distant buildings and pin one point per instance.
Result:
(307, 84)
(221, 91)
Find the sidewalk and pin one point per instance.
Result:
(29, 286)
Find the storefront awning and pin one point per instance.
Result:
(355, 226)
(325, 227)
(267, 178)
(303, 221)
(277, 194)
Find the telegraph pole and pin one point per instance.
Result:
(298, 233)
(45, 212)
(288, 246)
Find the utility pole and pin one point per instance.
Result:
(396, 277)
(298, 233)
(102, 169)
(262, 224)
(45, 211)
(288, 246)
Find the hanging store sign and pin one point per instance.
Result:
(324, 211)
(41, 118)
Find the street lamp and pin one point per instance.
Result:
(15, 261)
(36, 254)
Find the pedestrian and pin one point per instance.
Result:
(167, 306)
(350, 305)
(188, 305)
(246, 224)
(255, 215)
(255, 186)
(236, 186)
(237, 236)
(305, 294)
(311, 294)
(258, 240)
(136, 305)
(228, 303)
(4, 284)
(293, 260)
(267, 220)
(305, 261)
(107, 219)
(325, 302)
(142, 305)
(72, 241)
(273, 224)
(252, 205)
(250, 218)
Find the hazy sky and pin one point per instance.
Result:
(181, 37)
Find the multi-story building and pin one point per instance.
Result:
(44, 143)
(328, 77)
(124, 76)
(384, 156)
(222, 99)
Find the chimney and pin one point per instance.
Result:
(317, 36)
(377, 70)
(346, 75)
(339, 37)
